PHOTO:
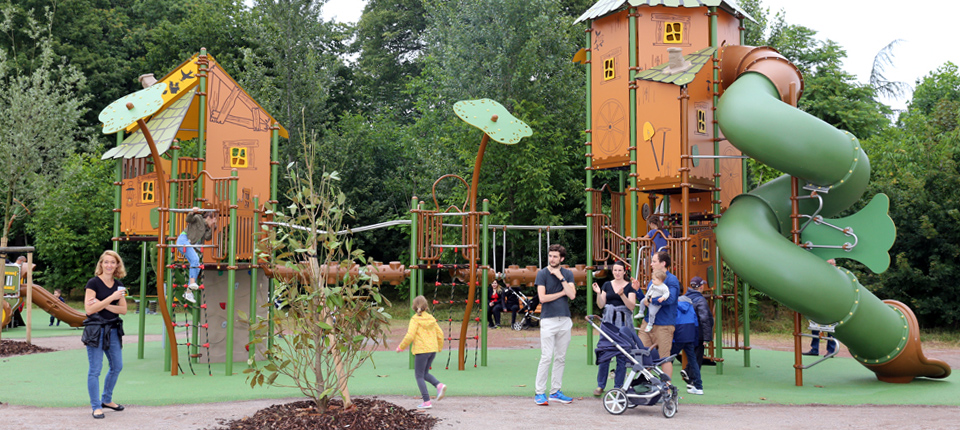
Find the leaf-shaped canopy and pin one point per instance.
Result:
(493, 119)
(131, 107)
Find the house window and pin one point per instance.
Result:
(238, 157)
(705, 248)
(608, 69)
(146, 192)
(701, 121)
(673, 32)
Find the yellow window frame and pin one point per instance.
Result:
(147, 191)
(673, 32)
(609, 68)
(238, 157)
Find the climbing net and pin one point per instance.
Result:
(450, 309)
(191, 349)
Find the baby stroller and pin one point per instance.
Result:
(645, 384)
(528, 306)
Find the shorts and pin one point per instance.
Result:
(660, 337)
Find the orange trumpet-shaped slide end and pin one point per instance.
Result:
(911, 362)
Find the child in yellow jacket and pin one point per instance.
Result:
(427, 338)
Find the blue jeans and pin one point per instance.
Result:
(693, 368)
(95, 357)
(815, 343)
(190, 254)
(619, 374)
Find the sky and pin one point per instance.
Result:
(862, 28)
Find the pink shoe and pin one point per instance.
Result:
(441, 391)
(425, 405)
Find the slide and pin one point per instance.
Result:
(754, 235)
(53, 306)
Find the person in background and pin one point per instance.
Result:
(815, 342)
(705, 317)
(617, 299)
(199, 230)
(58, 295)
(495, 297)
(427, 339)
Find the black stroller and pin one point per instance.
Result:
(645, 384)
(528, 307)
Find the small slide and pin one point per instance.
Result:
(52, 305)
(754, 234)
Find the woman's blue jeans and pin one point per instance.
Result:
(190, 254)
(95, 357)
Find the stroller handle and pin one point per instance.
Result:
(590, 318)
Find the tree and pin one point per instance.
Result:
(328, 322)
(74, 222)
(518, 53)
(40, 125)
(878, 79)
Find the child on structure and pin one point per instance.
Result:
(657, 293)
(427, 339)
(199, 229)
(59, 296)
(658, 234)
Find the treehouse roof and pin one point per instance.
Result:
(178, 117)
(696, 59)
(603, 7)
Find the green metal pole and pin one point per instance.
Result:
(588, 194)
(274, 178)
(414, 273)
(485, 281)
(634, 232)
(118, 198)
(202, 67)
(143, 299)
(746, 286)
(718, 268)
(253, 279)
(231, 272)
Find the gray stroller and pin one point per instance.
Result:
(645, 384)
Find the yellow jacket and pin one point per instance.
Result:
(425, 334)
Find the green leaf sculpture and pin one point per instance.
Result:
(493, 119)
(131, 107)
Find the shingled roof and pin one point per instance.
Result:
(604, 7)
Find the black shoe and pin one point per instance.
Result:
(812, 352)
(99, 416)
(116, 408)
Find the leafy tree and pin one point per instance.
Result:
(327, 323)
(518, 53)
(390, 43)
(73, 224)
(40, 126)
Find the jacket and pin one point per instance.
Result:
(94, 324)
(197, 230)
(686, 329)
(424, 333)
(703, 314)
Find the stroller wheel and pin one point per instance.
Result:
(518, 326)
(670, 407)
(615, 401)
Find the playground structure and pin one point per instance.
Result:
(642, 90)
(232, 167)
(19, 286)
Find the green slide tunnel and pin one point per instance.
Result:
(754, 233)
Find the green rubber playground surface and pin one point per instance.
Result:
(59, 379)
(41, 327)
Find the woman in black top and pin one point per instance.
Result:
(103, 303)
(617, 298)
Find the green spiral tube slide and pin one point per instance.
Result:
(753, 234)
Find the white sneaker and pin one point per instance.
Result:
(193, 286)
(649, 328)
(694, 390)
(188, 296)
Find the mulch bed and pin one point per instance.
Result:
(10, 348)
(369, 414)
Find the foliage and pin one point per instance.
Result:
(73, 223)
(916, 165)
(328, 325)
(40, 125)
